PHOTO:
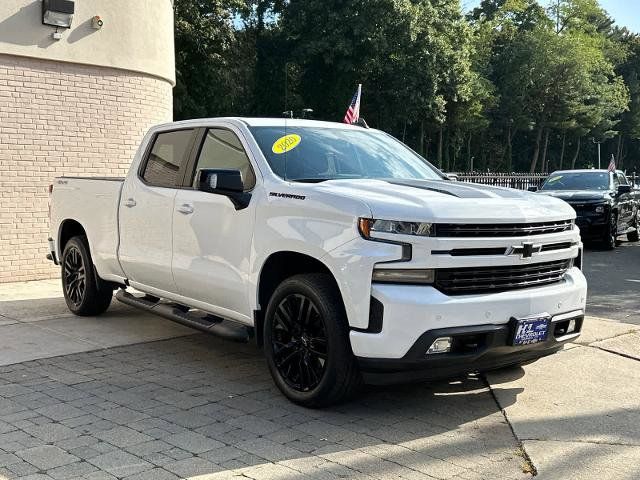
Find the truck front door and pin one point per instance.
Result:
(211, 239)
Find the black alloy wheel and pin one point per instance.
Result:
(74, 276)
(299, 342)
(306, 342)
(84, 292)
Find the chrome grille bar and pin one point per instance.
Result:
(501, 230)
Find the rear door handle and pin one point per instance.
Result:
(186, 209)
(130, 202)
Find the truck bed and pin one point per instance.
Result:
(93, 202)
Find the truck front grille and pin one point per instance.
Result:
(501, 229)
(469, 281)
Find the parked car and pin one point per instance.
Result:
(346, 255)
(606, 204)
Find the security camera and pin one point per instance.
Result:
(96, 22)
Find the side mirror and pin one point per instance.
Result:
(622, 189)
(214, 180)
(224, 182)
(533, 189)
(452, 176)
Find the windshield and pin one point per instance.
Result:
(577, 181)
(312, 154)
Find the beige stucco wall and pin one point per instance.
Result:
(78, 106)
(137, 34)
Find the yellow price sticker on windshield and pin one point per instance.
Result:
(285, 144)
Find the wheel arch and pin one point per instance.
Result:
(278, 267)
(69, 228)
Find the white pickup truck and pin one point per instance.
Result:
(347, 256)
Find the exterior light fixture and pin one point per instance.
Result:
(97, 23)
(58, 13)
(440, 345)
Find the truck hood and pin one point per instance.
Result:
(577, 195)
(448, 201)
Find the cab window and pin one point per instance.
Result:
(222, 149)
(169, 153)
(622, 180)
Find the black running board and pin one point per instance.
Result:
(179, 313)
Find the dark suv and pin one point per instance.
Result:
(605, 202)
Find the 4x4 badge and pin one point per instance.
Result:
(526, 250)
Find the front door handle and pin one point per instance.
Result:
(185, 209)
(130, 202)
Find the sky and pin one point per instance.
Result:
(625, 12)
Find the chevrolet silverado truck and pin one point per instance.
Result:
(348, 257)
(605, 202)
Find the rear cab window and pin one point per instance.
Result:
(165, 162)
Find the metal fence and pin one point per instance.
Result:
(520, 181)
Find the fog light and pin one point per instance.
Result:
(440, 345)
(572, 326)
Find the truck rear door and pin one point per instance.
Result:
(146, 210)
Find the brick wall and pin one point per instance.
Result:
(63, 119)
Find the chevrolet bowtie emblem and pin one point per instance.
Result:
(526, 250)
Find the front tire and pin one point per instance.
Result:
(85, 293)
(306, 342)
(635, 235)
(609, 241)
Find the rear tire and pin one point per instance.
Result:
(85, 293)
(306, 342)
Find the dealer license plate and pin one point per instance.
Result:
(531, 330)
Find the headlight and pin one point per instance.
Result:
(369, 227)
(600, 209)
(403, 275)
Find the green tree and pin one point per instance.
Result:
(629, 70)
(210, 78)
(412, 56)
(552, 71)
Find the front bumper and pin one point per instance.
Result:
(411, 312)
(475, 349)
(592, 226)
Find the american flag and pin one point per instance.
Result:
(353, 112)
(612, 164)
